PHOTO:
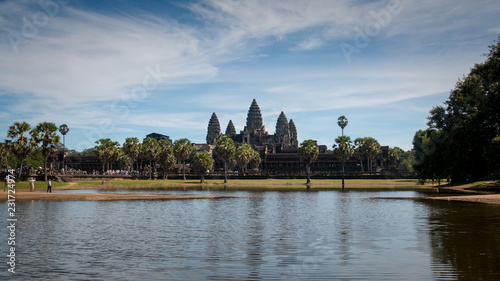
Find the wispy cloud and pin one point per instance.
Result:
(82, 62)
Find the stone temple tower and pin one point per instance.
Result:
(230, 130)
(282, 133)
(213, 132)
(254, 119)
(294, 142)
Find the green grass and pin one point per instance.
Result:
(264, 184)
(39, 185)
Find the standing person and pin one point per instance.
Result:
(49, 186)
(32, 184)
(6, 186)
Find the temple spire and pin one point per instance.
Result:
(282, 133)
(254, 118)
(213, 131)
(294, 142)
(230, 130)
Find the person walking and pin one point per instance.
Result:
(49, 186)
(32, 184)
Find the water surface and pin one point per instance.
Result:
(316, 235)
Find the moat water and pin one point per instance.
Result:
(316, 235)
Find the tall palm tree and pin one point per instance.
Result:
(63, 129)
(20, 145)
(166, 156)
(244, 154)
(372, 150)
(360, 151)
(308, 153)
(182, 150)
(151, 150)
(46, 135)
(132, 148)
(342, 122)
(256, 160)
(343, 150)
(4, 154)
(202, 161)
(106, 149)
(225, 149)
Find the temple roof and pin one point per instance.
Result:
(213, 131)
(230, 129)
(254, 117)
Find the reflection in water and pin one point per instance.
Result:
(465, 237)
(257, 236)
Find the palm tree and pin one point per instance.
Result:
(372, 150)
(4, 154)
(167, 157)
(244, 154)
(202, 161)
(394, 153)
(63, 129)
(132, 148)
(360, 151)
(308, 152)
(105, 149)
(182, 150)
(256, 160)
(343, 150)
(342, 122)
(46, 135)
(225, 149)
(151, 150)
(20, 145)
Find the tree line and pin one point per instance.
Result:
(462, 140)
(24, 141)
(33, 146)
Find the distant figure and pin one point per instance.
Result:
(49, 186)
(32, 184)
(6, 186)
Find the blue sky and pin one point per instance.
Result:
(117, 69)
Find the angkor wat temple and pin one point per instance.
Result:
(254, 133)
(278, 151)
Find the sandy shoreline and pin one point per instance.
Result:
(24, 194)
(55, 196)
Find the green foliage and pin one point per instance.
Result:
(167, 156)
(19, 143)
(344, 148)
(4, 154)
(132, 148)
(108, 151)
(308, 153)
(367, 147)
(35, 159)
(202, 161)
(225, 149)
(12, 161)
(182, 150)
(460, 141)
(244, 154)
(342, 122)
(45, 134)
(256, 160)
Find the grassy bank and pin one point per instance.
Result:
(40, 185)
(258, 183)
